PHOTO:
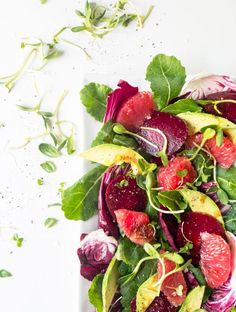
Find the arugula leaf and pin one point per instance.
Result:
(198, 274)
(95, 292)
(93, 96)
(227, 181)
(182, 106)
(172, 200)
(167, 77)
(202, 163)
(129, 252)
(230, 220)
(129, 290)
(79, 201)
(105, 134)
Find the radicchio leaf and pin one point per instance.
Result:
(206, 188)
(169, 225)
(105, 220)
(95, 252)
(224, 297)
(201, 86)
(116, 98)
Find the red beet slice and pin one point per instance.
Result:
(227, 109)
(190, 229)
(173, 128)
(124, 193)
(159, 304)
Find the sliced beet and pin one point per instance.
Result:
(227, 109)
(190, 229)
(161, 304)
(123, 193)
(171, 126)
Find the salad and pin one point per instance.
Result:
(164, 190)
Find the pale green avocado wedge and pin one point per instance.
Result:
(147, 292)
(111, 154)
(200, 202)
(110, 284)
(193, 301)
(196, 121)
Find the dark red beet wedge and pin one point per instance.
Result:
(190, 229)
(124, 193)
(159, 304)
(227, 109)
(173, 128)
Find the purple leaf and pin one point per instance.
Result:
(116, 98)
(201, 86)
(95, 251)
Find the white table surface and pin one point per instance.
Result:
(45, 270)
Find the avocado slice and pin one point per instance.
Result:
(200, 202)
(197, 121)
(111, 154)
(147, 292)
(110, 284)
(193, 301)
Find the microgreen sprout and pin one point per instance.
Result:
(53, 130)
(99, 20)
(208, 134)
(18, 240)
(150, 183)
(162, 153)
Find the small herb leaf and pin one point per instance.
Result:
(50, 222)
(5, 273)
(49, 150)
(48, 166)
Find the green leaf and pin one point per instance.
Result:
(227, 181)
(93, 96)
(50, 222)
(129, 290)
(182, 173)
(223, 197)
(172, 200)
(62, 145)
(18, 240)
(230, 220)
(95, 292)
(182, 106)
(219, 137)
(48, 166)
(167, 77)
(40, 182)
(79, 202)
(49, 150)
(52, 54)
(78, 28)
(28, 108)
(46, 114)
(70, 146)
(125, 140)
(5, 273)
(129, 252)
(105, 134)
(198, 274)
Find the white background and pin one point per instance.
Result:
(45, 270)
